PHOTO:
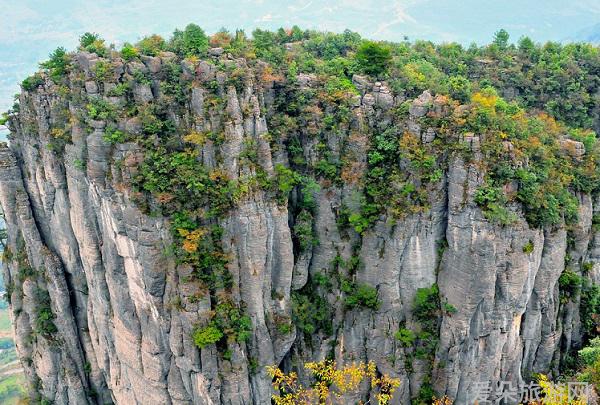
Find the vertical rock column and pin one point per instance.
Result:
(52, 356)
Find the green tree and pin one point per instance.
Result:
(296, 34)
(192, 41)
(91, 42)
(88, 39)
(267, 46)
(57, 64)
(151, 45)
(526, 46)
(373, 58)
(501, 39)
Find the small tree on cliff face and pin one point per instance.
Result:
(373, 58)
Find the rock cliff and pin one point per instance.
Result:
(152, 202)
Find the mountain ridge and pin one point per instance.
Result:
(184, 213)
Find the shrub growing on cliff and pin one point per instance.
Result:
(590, 357)
(361, 295)
(501, 39)
(221, 39)
(492, 201)
(129, 52)
(528, 247)
(44, 317)
(590, 308)
(208, 335)
(88, 39)
(303, 231)
(99, 109)
(329, 46)
(171, 83)
(591, 353)
(406, 337)
(32, 82)
(102, 71)
(418, 76)
(449, 309)
(311, 312)
(287, 179)
(267, 46)
(113, 136)
(119, 90)
(460, 88)
(570, 283)
(231, 320)
(26, 271)
(426, 307)
(227, 321)
(190, 184)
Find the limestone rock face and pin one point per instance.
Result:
(421, 105)
(124, 309)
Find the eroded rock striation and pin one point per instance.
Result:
(165, 195)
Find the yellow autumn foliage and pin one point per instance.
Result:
(555, 394)
(197, 138)
(442, 401)
(192, 238)
(485, 100)
(331, 383)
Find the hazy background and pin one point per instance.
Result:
(30, 29)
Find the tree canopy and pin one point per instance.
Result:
(373, 58)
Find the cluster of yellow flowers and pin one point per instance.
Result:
(331, 383)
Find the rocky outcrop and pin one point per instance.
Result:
(85, 253)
